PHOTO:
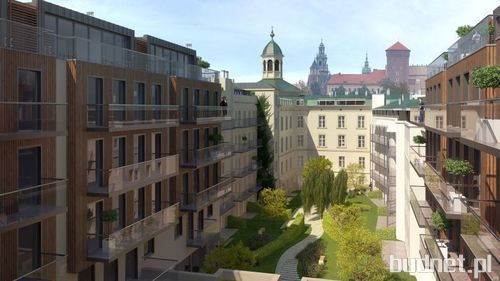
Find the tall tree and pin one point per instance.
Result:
(265, 153)
(356, 178)
(339, 192)
(317, 184)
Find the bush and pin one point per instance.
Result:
(419, 139)
(375, 194)
(274, 202)
(400, 276)
(382, 211)
(253, 207)
(458, 167)
(235, 257)
(388, 233)
(364, 207)
(258, 240)
(290, 234)
(341, 218)
(308, 260)
(235, 222)
(486, 77)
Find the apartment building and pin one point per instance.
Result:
(460, 122)
(117, 169)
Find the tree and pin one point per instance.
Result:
(234, 257)
(317, 184)
(340, 219)
(265, 153)
(486, 77)
(355, 178)
(274, 202)
(339, 192)
(202, 63)
(395, 89)
(440, 222)
(463, 30)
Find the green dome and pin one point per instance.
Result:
(272, 49)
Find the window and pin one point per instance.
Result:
(149, 247)
(286, 144)
(361, 122)
(286, 123)
(362, 161)
(301, 161)
(210, 210)
(341, 121)
(321, 121)
(463, 122)
(281, 124)
(300, 121)
(281, 145)
(322, 141)
(300, 141)
(291, 126)
(341, 161)
(439, 122)
(341, 141)
(281, 167)
(361, 141)
(178, 227)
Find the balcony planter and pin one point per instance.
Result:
(457, 167)
(215, 138)
(109, 216)
(419, 139)
(440, 222)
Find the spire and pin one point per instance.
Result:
(366, 68)
(272, 33)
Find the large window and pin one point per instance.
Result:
(341, 141)
(322, 141)
(321, 121)
(300, 121)
(29, 95)
(361, 122)
(300, 141)
(361, 141)
(341, 121)
(362, 161)
(342, 161)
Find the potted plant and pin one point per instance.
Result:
(445, 56)
(109, 216)
(215, 138)
(457, 167)
(440, 222)
(419, 139)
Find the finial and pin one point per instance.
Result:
(321, 39)
(272, 32)
(366, 58)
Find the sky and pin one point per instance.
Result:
(230, 34)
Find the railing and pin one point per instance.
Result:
(205, 155)
(246, 122)
(417, 159)
(53, 270)
(208, 235)
(248, 190)
(245, 146)
(245, 171)
(418, 205)
(135, 175)
(31, 118)
(116, 116)
(196, 201)
(434, 251)
(417, 115)
(437, 65)
(29, 203)
(204, 113)
(481, 122)
(227, 204)
(119, 242)
(22, 37)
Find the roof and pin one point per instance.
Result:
(278, 84)
(396, 105)
(373, 78)
(272, 49)
(398, 47)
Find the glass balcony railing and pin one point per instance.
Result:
(132, 176)
(245, 146)
(121, 241)
(419, 205)
(27, 205)
(246, 122)
(443, 192)
(196, 201)
(481, 122)
(417, 159)
(26, 38)
(205, 156)
(202, 114)
(31, 119)
(417, 115)
(208, 235)
(245, 192)
(245, 171)
(127, 116)
(437, 65)
(53, 269)
(435, 251)
(227, 204)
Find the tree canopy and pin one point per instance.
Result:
(356, 178)
(265, 153)
(463, 30)
(486, 77)
(234, 257)
(202, 63)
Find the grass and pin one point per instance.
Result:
(382, 211)
(388, 233)
(370, 216)
(375, 194)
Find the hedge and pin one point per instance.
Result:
(253, 207)
(236, 222)
(290, 234)
(308, 260)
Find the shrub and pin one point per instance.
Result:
(233, 257)
(258, 240)
(382, 211)
(486, 77)
(440, 222)
(463, 30)
(274, 202)
(308, 260)
(235, 222)
(364, 207)
(375, 194)
(290, 234)
(418, 139)
(341, 218)
(109, 216)
(388, 233)
(400, 276)
(458, 167)
(253, 207)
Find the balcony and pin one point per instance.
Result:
(245, 146)
(196, 201)
(245, 123)
(207, 236)
(53, 270)
(32, 120)
(121, 117)
(417, 159)
(417, 115)
(205, 156)
(436, 119)
(122, 179)
(443, 192)
(132, 236)
(227, 204)
(247, 192)
(482, 123)
(204, 114)
(419, 205)
(245, 171)
(25, 206)
(429, 246)
(21, 37)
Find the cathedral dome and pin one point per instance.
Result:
(272, 49)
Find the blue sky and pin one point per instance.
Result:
(231, 34)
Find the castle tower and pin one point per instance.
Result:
(398, 60)
(319, 73)
(272, 60)
(366, 68)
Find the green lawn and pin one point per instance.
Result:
(370, 222)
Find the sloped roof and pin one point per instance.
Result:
(373, 78)
(272, 49)
(404, 105)
(397, 47)
(278, 84)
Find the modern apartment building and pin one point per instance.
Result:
(460, 122)
(117, 168)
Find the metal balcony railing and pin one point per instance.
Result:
(27, 205)
(121, 241)
(431, 248)
(202, 114)
(205, 156)
(31, 119)
(132, 176)
(206, 236)
(196, 201)
(245, 171)
(115, 117)
(481, 122)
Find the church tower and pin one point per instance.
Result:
(366, 68)
(319, 73)
(272, 60)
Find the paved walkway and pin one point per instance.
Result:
(287, 264)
